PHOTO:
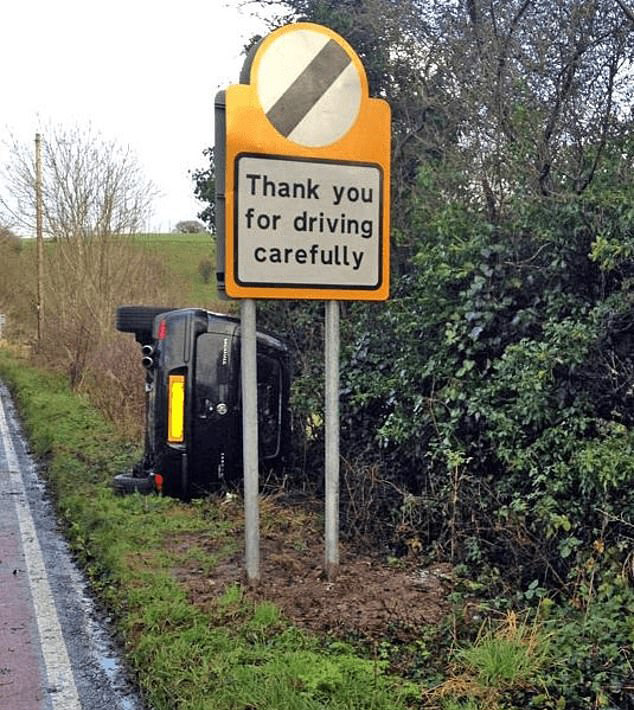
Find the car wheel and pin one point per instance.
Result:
(138, 320)
(124, 484)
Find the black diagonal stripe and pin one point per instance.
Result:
(308, 88)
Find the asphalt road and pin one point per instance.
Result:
(56, 651)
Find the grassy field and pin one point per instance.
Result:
(182, 254)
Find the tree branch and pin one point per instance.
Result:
(626, 10)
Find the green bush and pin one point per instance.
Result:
(497, 386)
(591, 650)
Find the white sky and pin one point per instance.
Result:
(142, 72)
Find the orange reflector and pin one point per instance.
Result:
(175, 409)
(158, 482)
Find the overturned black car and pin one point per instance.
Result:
(193, 433)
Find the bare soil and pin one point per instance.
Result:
(371, 597)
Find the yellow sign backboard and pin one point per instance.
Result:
(307, 173)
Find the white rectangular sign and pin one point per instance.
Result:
(307, 223)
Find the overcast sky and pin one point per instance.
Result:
(142, 72)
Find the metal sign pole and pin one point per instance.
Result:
(248, 356)
(332, 439)
(281, 135)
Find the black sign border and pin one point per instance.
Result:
(315, 287)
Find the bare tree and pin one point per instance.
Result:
(93, 192)
(9, 241)
(538, 88)
(490, 98)
(91, 186)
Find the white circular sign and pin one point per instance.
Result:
(309, 87)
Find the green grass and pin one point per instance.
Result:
(239, 654)
(451, 704)
(181, 254)
(501, 662)
(504, 659)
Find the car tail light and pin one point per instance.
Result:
(158, 482)
(175, 409)
(162, 330)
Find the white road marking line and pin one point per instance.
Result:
(60, 678)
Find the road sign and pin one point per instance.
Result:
(307, 173)
(306, 224)
(302, 209)
(318, 105)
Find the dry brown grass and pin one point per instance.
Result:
(85, 281)
(17, 291)
(113, 382)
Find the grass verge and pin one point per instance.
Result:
(238, 655)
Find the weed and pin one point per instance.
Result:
(503, 658)
(231, 601)
(452, 704)
(266, 620)
(507, 656)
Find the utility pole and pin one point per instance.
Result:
(40, 237)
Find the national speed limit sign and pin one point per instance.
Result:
(307, 173)
(309, 87)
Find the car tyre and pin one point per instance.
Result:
(124, 484)
(138, 320)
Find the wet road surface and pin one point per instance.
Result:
(56, 651)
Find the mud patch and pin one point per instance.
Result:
(369, 599)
